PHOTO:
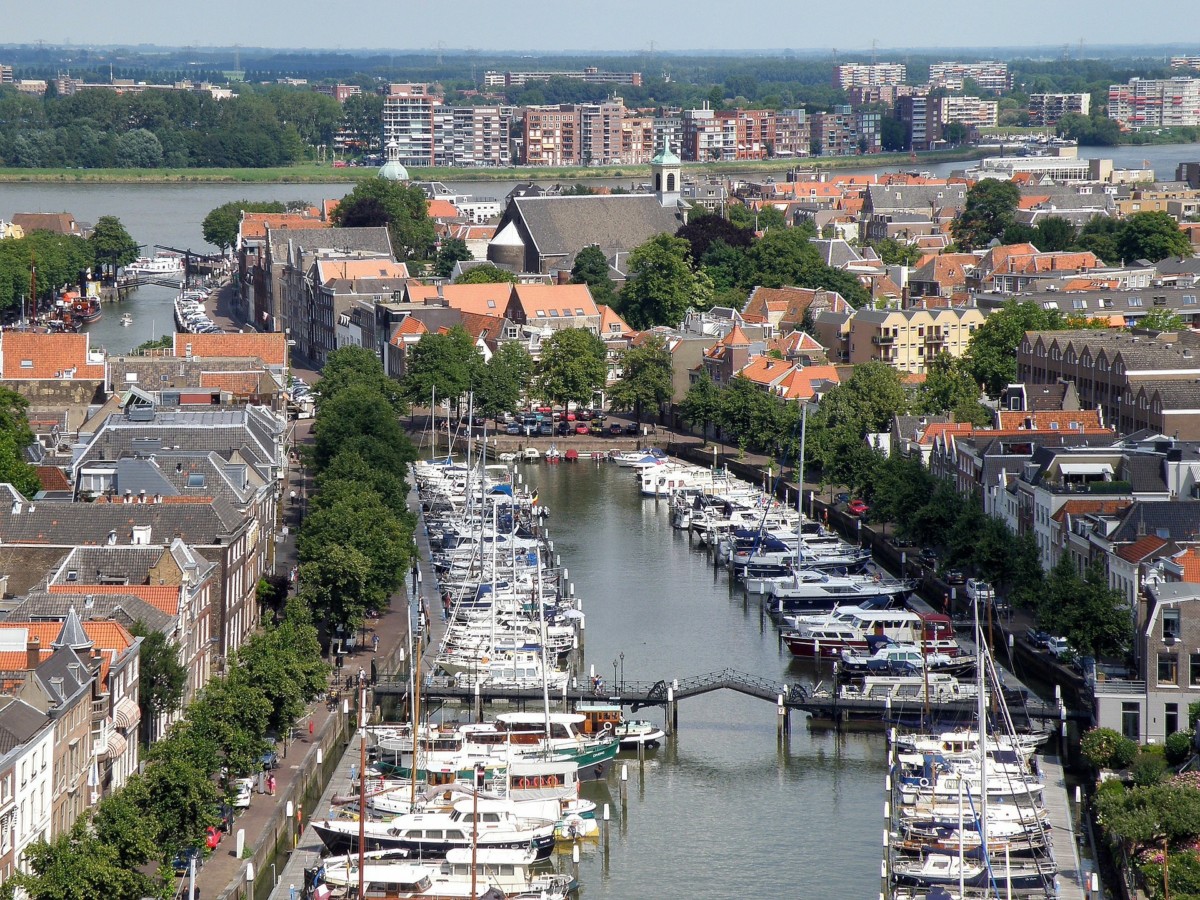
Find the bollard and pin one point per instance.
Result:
(320, 756)
(575, 853)
(288, 809)
(249, 873)
(566, 574)
(240, 843)
(624, 772)
(607, 812)
(667, 713)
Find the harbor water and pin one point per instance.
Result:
(721, 809)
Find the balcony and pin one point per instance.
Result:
(935, 337)
(883, 340)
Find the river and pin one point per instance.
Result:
(720, 811)
(170, 215)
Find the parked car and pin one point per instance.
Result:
(631, 428)
(564, 428)
(843, 497)
(954, 576)
(857, 507)
(1057, 646)
(546, 429)
(183, 858)
(1036, 637)
(582, 428)
(978, 589)
(243, 789)
(512, 428)
(269, 760)
(928, 558)
(615, 430)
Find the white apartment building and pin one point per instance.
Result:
(849, 75)
(989, 75)
(1155, 103)
(970, 111)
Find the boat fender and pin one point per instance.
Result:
(608, 726)
(924, 782)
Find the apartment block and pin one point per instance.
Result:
(429, 133)
(844, 132)
(989, 75)
(551, 136)
(1155, 103)
(920, 114)
(848, 75)
(906, 339)
(1047, 109)
(1185, 62)
(886, 94)
(6, 74)
(481, 135)
(710, 134)
(970, 111)
(591, 75)
(339, 92)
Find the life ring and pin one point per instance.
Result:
(608, 726)
(537, 781)
(551, 781)
(924, 782)
(484, 660)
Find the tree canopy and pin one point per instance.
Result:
(645, 381)
(989, 210)
(591, 268)
(662, 286)
(402, 208)
(220, 226)
(572, 367)
(486, 273)
(111, 243)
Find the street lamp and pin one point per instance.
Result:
(614, 673)
(622, 671)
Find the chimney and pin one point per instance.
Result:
(33, 651)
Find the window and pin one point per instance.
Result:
(1170, 625)
(1194, 674)
(1135, 301)
(1172, 718)
(195, 480)
(1131, 720)
(27, 364)
(1168, 668)
(491, 304)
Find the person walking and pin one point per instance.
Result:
(375, 643)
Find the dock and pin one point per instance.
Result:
(1073, 873)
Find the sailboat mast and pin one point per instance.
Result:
(981, 714)
(537, 598)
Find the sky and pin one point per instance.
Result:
(618, 25)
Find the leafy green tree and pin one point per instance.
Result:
(989, 210)
(702, 403)
(1106, 748)
(950, 388)
(231, 715)
(992, 353)
(645, 378)
(121, 823)
(352, 515)
(1146, 816)
(1161, 320)
(139, 149)
(351, 366)
(162, 678)
(402, 208)
(180, 800)
(572, 367)
(503, 381)
(447, 363)
(1094, 618)
(1054, 233)
(765, 218)
(284, 662)
(78, 866)
(451, 251)
(896, 253)
(387, 481)
(112, 244)
(363, 418)
(1099, 236)
(1153, 236)
(786, 256)
(591, 268)
(661, 285)
(862, 405)
(220, 226)
(335, 586)
(486, 274)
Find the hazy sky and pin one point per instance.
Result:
(565, 25)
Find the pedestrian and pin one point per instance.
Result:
(310, 726)
(946, 604)
(446, 606)
(291, 892)
(353, 772)
(374, 643)
(271, 784)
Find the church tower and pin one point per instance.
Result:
(666, 170)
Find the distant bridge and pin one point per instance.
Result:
(823, 707)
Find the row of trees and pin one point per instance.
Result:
(60, 259)
(356, 543)
(104, 129)
(123, 850)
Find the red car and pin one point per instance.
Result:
(856, 507)
(582, 428)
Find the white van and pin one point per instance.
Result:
(243, 788)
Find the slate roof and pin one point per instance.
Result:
(1175, 520)
(26, 567)
(61, 522)
(561, 226)
(342, 240)
(836, 253)
(1145, 473)
(95, 564)
(903, 197)
(19, 723)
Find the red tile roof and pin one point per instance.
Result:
(162, 596)
(240, 384)
(270, 347)
(254, 225)
(1085, 507)
(34, 355)
(1142, 548)
(53, 479)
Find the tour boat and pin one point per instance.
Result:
(489, 824)
(387, 877)
(932, 632)
(126, 319)
(610, 719)
(162, 265)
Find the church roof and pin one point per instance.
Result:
(561, 226)
(665, 157)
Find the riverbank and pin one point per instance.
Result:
(312, 173)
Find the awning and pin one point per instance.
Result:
(114, 747)
(126, 714)
(1082, 468)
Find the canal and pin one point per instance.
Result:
(721, 810)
